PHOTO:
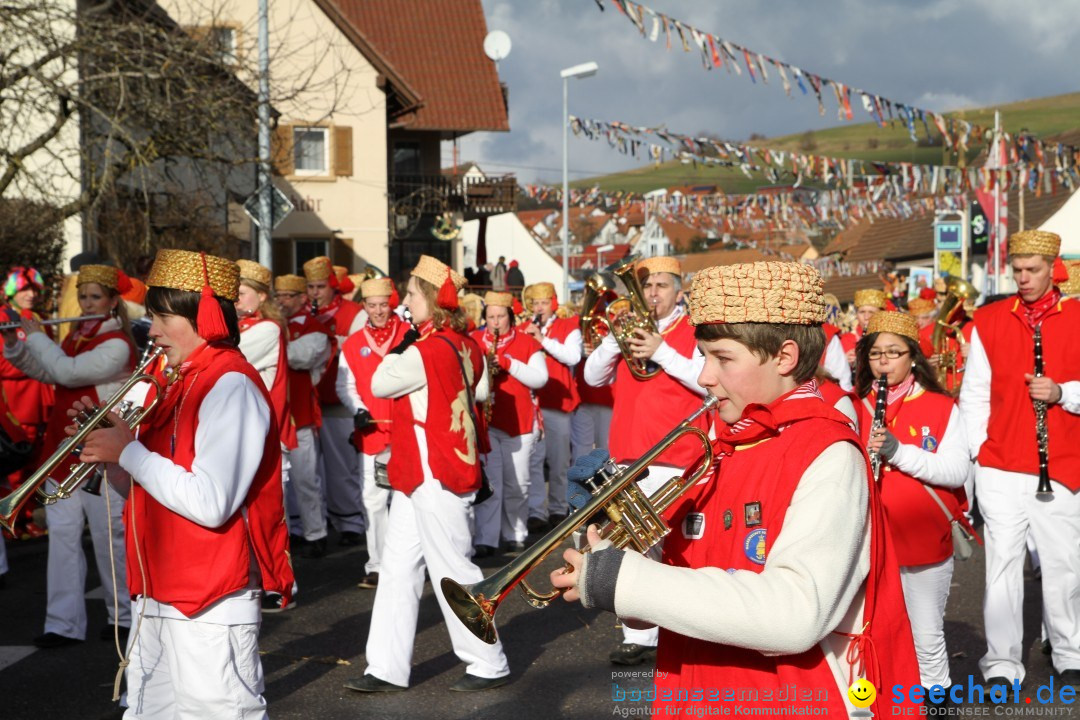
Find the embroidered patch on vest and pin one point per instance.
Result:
(754, 546)
(693, 526)
(752, 514)
(929, 442)
(728, 517)
(365, 351)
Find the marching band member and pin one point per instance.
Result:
(340, 463)
(308, 352)
(591, 422)
(924, 311)
(434, 472)
(790, 515)
(867, 302)
(362, 353)
(204, 513)
(95, 358)
(560, 339)
(834, 359)
(513, 427)
(996, 400)
(646, 409)
(924, 454)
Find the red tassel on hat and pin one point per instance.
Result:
(447, 298)
(890, 306)
(554, 303)
(395, 299)
(928, 293)
(517, 308)
(123, 282)
(345, 286)
(332, 281)
(210, 319)
(1061, 273)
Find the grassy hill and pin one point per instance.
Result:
(1042, 116)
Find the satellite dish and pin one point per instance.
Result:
(497, 45)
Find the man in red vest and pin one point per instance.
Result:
(308, 353)
(204, 514)
(997, 401)
(340, 463)
(362, 353)
(867, 302)
(791, 513)
(646, 410)
(561, 340)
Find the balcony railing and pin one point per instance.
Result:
(440, 193)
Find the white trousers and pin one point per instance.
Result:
(506, 512)
(377, 508)
(429, 528)
(589, 427)
(65, 609)
(1007, 501)
(189, 669)
(306, 488)
(341, 471)
(926, 590)
(554, 446)
(658, 475)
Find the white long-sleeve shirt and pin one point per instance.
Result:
(105, 366)
(601, 365)
(533, 374)
(229, 441)
(308, 352)
(836, 363)
(567, 352)
(975, 395)
(948, 467)
(260, 345)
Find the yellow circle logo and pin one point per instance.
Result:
(862, 693)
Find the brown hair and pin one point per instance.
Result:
(185, 304)
(441, 318)
(765, 339)
(120, 311)
(267, 308)
(864, 377)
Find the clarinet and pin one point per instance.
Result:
(492, 369)
(314, 307)
(1044, 491)
(879, 422)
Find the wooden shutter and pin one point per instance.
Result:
(281, 150)
(341, 251)
(343, 151)
(282, 257)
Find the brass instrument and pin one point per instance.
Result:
(87, 422)
(880, 408)
(951, 314)
(622, 316)
(492, 371)
(54, 321)
(635, 520)
(599, 292)
(373, 273)
(1045, 491)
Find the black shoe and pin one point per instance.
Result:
(514, 547)
(483, 551)
(991, 682)
(554, 521)
(351, 539)
(313, 548)
(369, 581)
(1070, 677)
(273, 602)
(472, 683)
(632, 654)
(1046, 649)
(107, 634)
(51, 640)
(537, 525)
(372, 684)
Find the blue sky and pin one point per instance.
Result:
(934, 54)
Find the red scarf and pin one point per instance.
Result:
(760, 422)
(164, 412)
(1034, 312)
(894, 400)
(382, 335)
(84, 332)
(504, 340)
(246, 323)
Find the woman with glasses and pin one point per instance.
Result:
(923, 447)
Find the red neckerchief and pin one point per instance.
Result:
(185, 375)
(328, 311)
(760, 422)
(504, 340)
(246, 323)
(426, 328)
(1035, 312)
(895, 398)
(382, 336)
(85, 330)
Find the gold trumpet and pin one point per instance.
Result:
(78, 473)
(622, 316)
(635, 520)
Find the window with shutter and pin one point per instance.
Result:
(311, 151)
(343, 151)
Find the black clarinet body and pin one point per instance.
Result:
(880, 408)
(1044, 491)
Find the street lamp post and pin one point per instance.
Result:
(578, 71)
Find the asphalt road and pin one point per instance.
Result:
(557, 655)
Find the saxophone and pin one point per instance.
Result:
(492, 371)
(880, 408)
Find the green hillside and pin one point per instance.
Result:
(1042, 116)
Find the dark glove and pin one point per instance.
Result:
(362, 420)
(889, 446)
(410, 337)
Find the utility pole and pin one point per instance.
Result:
(264, 250)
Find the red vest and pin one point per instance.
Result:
(768, 473)
(833, 393)
(920, 531)
(187, 565)
(514, 411)
(592, 395)
(560, 392)
(303, 401)
(849, 340)
(336, 317)
(646, 410)
(29, 400)
(1010, 347)
(66, 397)
(363, 357)
(451, 434)
(279, 391)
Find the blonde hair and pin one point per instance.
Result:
(455, 320)
(267, 308)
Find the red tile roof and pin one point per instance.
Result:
(681, 235)
(588, 257)
(437, 47)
